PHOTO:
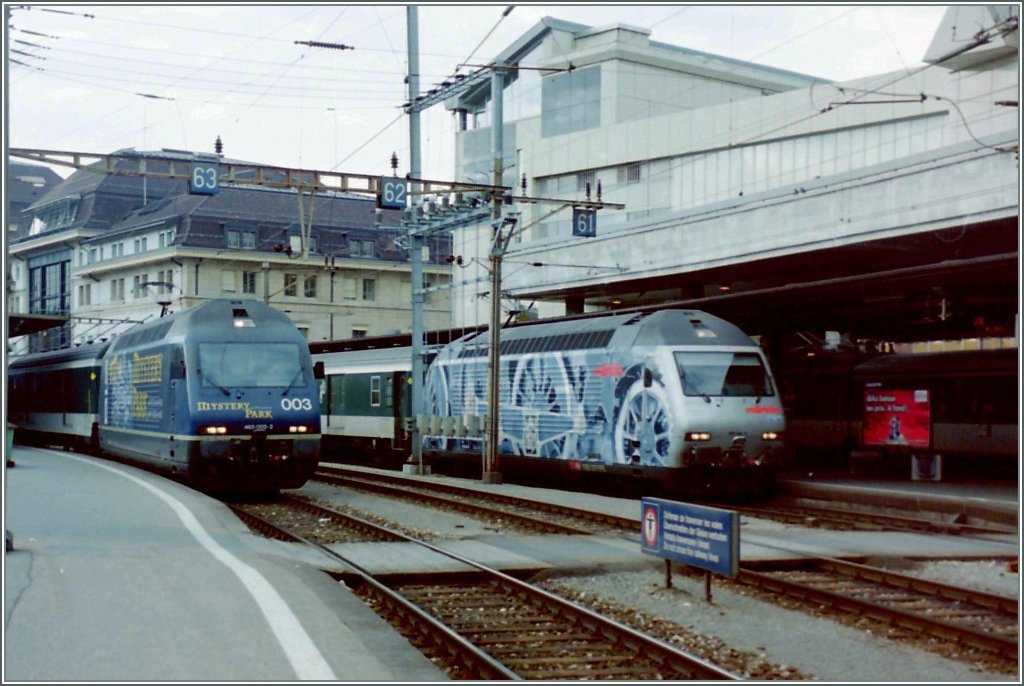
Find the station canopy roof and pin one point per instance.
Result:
(24, 324)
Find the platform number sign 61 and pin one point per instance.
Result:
(205, 178)
(392, 193)
(584, 223)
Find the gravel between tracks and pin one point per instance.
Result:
(761, 639)
(813, 647)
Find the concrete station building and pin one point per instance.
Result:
(749, 190)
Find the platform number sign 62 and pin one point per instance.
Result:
(584, 223)
(205, 178)
(392, 193)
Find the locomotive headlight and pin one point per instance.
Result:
(214, 430)
(697, 436)
(298, 429)
(770, 436)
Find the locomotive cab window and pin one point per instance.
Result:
(250, 365)
(723, 374)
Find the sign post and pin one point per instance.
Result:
(704, 537)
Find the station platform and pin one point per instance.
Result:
(119, 575)
(964, 501)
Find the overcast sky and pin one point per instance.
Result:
(236, 71)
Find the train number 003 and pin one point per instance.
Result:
(290, 404)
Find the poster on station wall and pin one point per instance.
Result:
(897, 417)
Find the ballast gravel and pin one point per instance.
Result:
(757, 637)
(801, 646)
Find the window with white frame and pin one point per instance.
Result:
(348, 288)
(139, 290)
(629, 173)
(369, 289)
(248, 282)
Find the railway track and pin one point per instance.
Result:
(588, 521)
(528, 515)
(493, 626)
(970, 618)
(848, 519)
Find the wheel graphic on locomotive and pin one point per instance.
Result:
(643, 425)
(542, 408)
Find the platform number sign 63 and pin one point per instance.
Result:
(584, 223)
(205, 178)
(292, 404)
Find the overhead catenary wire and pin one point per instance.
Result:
(505, 13)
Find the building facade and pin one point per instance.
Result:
(109, 251)
(735, 176)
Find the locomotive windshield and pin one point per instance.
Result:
(249, 365)
(723, 374)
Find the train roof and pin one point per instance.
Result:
(94, 351)
(398, 359)
(206, 318)
(953, 362)
(663, 327)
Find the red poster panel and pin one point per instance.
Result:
(897, 417)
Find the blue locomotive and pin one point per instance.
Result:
(680, 398)
(223, 394)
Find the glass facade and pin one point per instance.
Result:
(571, 102)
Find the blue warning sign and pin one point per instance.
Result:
(703, 537)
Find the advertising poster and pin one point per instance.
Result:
(897, 417)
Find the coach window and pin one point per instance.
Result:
(375, 391)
